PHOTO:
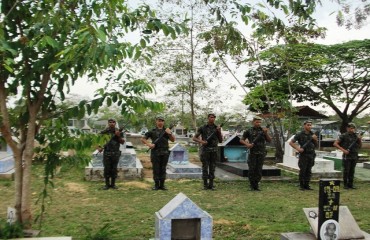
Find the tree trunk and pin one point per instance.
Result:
(26, 180)
(18, 176)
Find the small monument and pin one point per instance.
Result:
(6, 161)
(181, 218)
(323, 168)
(129, 166)
(233, 157)
(329, 220)
(179, 166)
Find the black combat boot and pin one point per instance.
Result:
(211, 185)
(307, 186)
(113, 184)
(350, 185)
(161, 185)
(156, 185)
(106, 187)
(205, 184)
(301, 186)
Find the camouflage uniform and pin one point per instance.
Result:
(111, 156)
(306, 159)
(208, 153)
(349, 161)
(159, 155)
(256, 156)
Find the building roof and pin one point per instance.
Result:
(303, 112)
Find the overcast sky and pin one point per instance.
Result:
(324, 17)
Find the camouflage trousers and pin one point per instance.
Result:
(110, 163)
(208, 164)
(349, 165)
(255, 164)
(159, 164)
(305, 164)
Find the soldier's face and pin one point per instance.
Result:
(308, 126)
(257, 123)
(211, 119)
(160, 123)
(351, 129)
(112, 123)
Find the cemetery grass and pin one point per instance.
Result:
(77, 207)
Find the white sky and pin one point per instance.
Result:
(324, 18)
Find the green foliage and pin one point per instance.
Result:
(8, 231)
(104, 233)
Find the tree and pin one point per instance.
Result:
(354, 14)
(271, 22)
(47, 46)
(182, 70)
(335, 75)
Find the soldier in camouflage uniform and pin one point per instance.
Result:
(111, 154)
(255, 140)
(349, 143)
(159, 151)
(210, 137)
(307, 141)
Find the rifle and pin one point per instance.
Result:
(354, 142)
(112, 131)
(161, 136)
(260, 135)
(213, 133)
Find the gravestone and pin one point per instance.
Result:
(179, 166)
(6, 161)
(323, 168)
(10, 217)
(233, 151)
(233, 157)
(328, 225)
(329, 220)
(129, 166)
(181, 218)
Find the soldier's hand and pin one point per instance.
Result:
(203, 142)
(250, 145)
(117, 133)
(100, 149)
(300, 150)
(151, 145)
(345, 152)
(314, 137)
(168, 131)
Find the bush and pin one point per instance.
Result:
(7, 230)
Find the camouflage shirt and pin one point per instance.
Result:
(305, 138)
(114, 143)
(256, 135)
(207, 131)
(345, 141)
(162, 144)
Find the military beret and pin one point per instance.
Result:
(211, 114)
(307, 121)
(257, 118)
(111, 120)
(159, 117)
(352, 125)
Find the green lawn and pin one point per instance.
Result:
(77, 205)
